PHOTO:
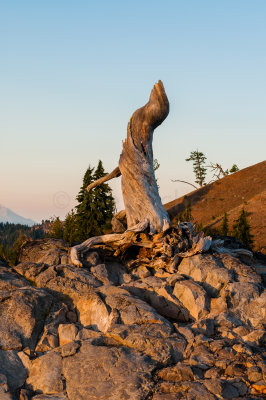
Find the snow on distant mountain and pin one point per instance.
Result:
(7, 215)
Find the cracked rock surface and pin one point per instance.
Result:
(147, 332)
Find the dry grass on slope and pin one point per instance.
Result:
(245, 188)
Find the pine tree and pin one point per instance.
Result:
(187, 216)
(104, 202)
(224, 225)
(70, 234)
(234, 169)
(84, 214)
(177, 219)
(96, 207)
(56, 230)
(14, 251)
(8, 254)
(2, 251)
(241, 229)
(199, 169)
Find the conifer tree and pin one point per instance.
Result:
(241, 229)
(2, 251)
(96, 207)
(14, 251)
(234, 169)
(84, 215)
(5, 251)
(56, 230)
(104, 201)
(199, 169)
(224, 226)
(187, 216)
(70, 234)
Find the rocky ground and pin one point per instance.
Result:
(113, 330)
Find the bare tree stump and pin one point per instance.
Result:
(143, 205)
(140, 192)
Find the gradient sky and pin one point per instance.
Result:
(73, 72)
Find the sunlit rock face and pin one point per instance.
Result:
(140, 328)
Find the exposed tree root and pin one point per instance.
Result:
(164, 248)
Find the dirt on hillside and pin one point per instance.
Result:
(245, 188)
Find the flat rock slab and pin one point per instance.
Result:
(242, 272)
(109, 273)
(62, 279)
(193, 297)
(186, 390)
(48, 250)
(132, 309)
(9, 279)
(179, 372)
(93, 311)
(250, 308)
(12, 369)
(45, 374)
(160, 296)
(22, 312)
(154, 340)
(207, 270)
(99, 372)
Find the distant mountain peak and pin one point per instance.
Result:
(7, 215)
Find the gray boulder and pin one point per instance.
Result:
(99, 372)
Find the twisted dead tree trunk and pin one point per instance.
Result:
(144, 209)
(140, 192)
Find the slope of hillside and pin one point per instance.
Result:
(245, 188)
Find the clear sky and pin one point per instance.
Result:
(73, 72)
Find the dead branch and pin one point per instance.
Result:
(114, 174)
(178, 180)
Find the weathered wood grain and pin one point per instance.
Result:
(143, 205)
(140, 191)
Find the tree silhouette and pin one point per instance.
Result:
(241, 229)
(224, 226)
(199, 169)
(70, 234)
(234, 169)
(96, 207)
(186, 216)
(56, 230)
